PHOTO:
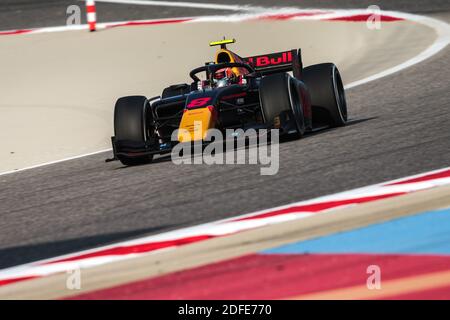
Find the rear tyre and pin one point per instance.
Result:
(176, 90)
(327, 92)
(130, 127)
(280, 95)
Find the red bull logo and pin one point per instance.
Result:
(273, 59)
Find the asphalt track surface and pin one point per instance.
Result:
(401, 129)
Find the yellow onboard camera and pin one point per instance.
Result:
(222, 43)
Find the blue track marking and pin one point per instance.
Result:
(425, 233)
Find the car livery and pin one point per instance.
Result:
(272, 91)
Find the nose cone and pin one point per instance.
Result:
(195, 124)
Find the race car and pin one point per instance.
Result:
(271, 91)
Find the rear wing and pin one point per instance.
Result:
(278, 62)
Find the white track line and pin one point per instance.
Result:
(55, 161)
(194, 5)
(442, 29)
(443, 39)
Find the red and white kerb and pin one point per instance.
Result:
(91, 14)
(173, 239)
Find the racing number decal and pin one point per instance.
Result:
(199, 102)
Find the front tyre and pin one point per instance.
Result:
(130, 129)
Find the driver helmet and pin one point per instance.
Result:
(224, 73)
(224, 76)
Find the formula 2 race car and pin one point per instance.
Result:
(236, 92)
